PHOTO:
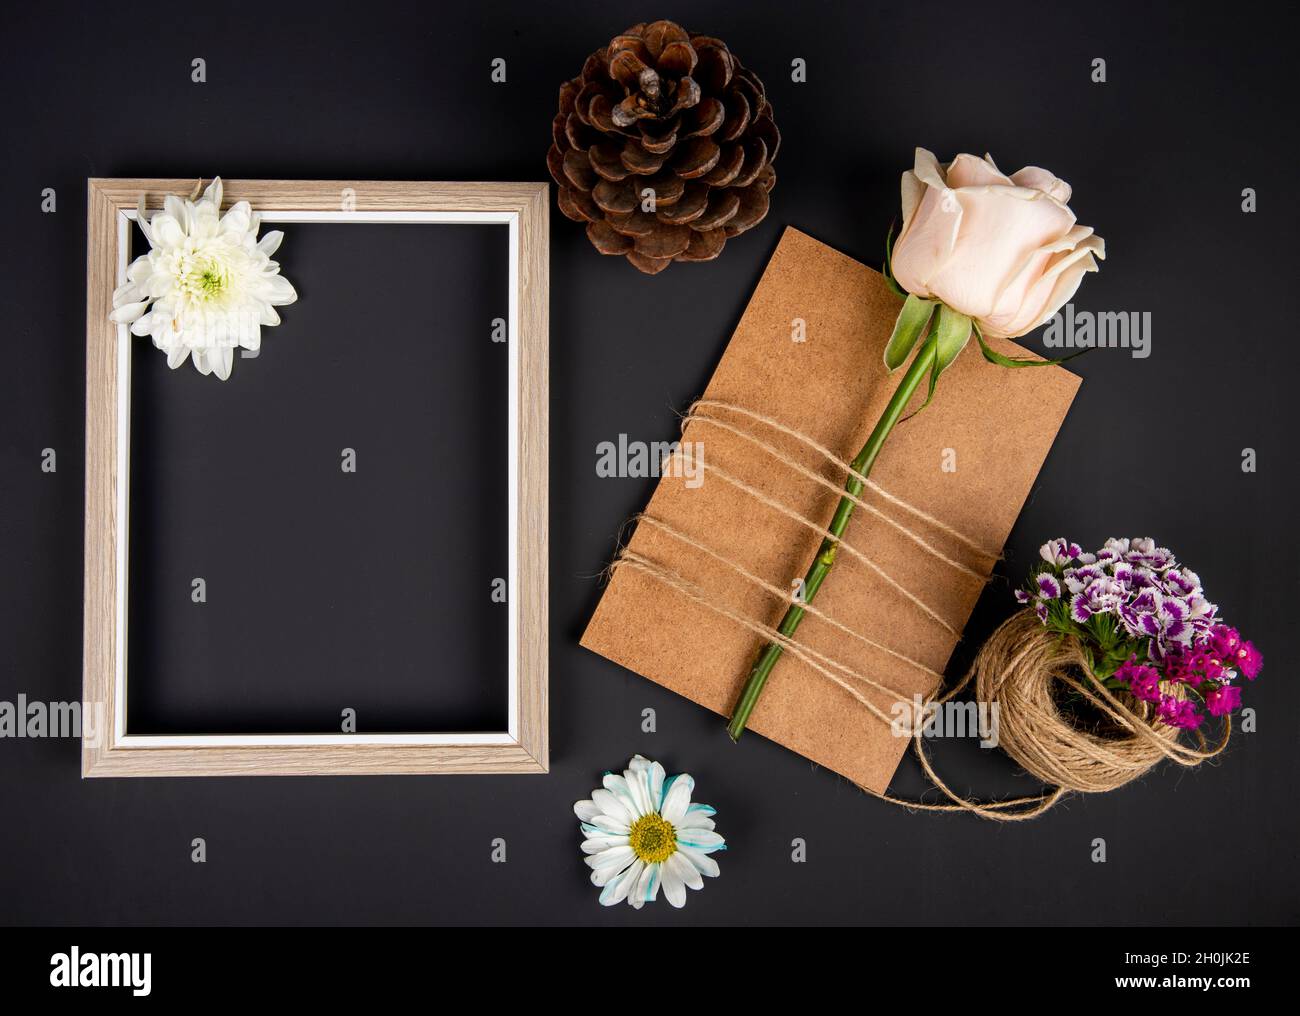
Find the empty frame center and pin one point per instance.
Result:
(320, 544)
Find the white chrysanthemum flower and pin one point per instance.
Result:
(642, 832)
(207, 284)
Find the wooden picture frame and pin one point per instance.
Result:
(523, 746)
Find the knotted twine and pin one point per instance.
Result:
(1062, 727)
(1059, 725)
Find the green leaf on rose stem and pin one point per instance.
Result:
(1010, 361)
(912, 319)
(935, 371)
(953, 331)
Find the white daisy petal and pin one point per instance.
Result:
(656, 776)
(601, 877)
(678, 798)
(612, 806)
(613, 826)
(637, 788)
(674, 887)
(586, 810)
(704, 840)
(706, 865)
(617, 889)
(617, 858)
(636, 765)
(685, 871)
(617, 785)
(647, 886)
(598, 843)
(698, 816)
(652, 800)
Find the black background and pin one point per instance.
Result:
(1195, 109)
(329, 590)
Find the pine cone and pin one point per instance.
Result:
(661, 109)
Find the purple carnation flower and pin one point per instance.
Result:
(1059, 552)
(1158, 608)
(1182, 582)
(1144, 551)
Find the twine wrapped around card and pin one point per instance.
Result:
(1067, 731)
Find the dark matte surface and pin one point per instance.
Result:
(329, 590)
(1196, 108)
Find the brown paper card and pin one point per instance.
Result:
(993, 424)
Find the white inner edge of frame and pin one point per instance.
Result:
(124, 339)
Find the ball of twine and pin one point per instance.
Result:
(1065, 728)
(1060, 725)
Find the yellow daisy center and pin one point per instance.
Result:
(653, 839)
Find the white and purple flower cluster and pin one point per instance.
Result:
(1138, 582)
(1145, 621)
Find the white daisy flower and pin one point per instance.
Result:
(642, 832)
(207, 284)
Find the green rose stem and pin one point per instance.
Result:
(826, 554)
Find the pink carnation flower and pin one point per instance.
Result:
(1178, 713)
(1143, 681)
(1250, 660)
(1222, 701)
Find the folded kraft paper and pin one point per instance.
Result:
(722, 545)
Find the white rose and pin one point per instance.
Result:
(1005, 251)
